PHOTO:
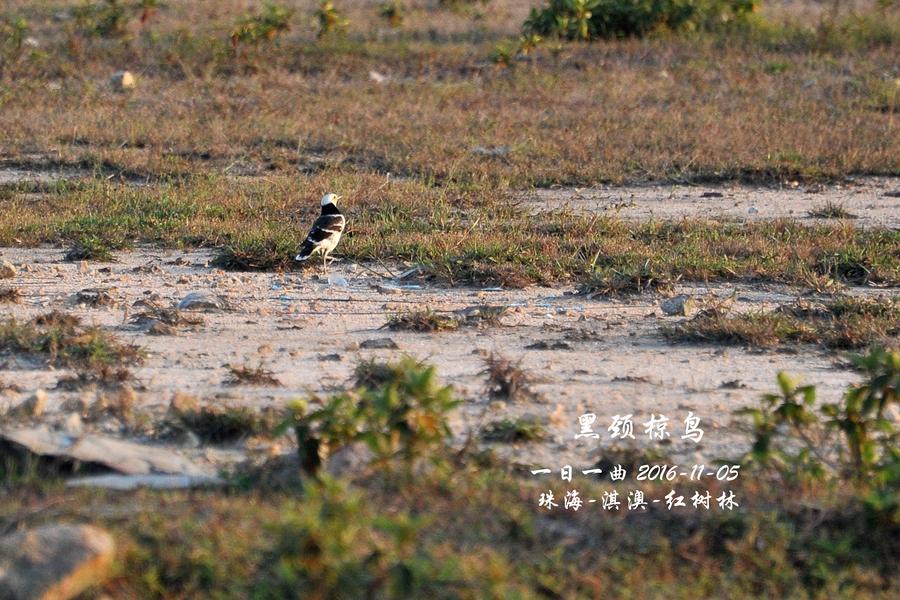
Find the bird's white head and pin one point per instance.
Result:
(330, 199)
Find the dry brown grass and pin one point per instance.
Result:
(247, 375)
(10, 295)
(665, 108)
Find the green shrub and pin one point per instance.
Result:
(252, 29)
(792, 439)
(330, 19)
(402, 417)
(611, 19)
(13, 33)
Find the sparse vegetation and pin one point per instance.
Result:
(241, 121)
(329, 19)
(246, 375)
(831, 210)
(425, 321)
(615, 19)
(510, 432)
(217, 424)
(506, 380)
(10, 295)
(60, 339)
(255, 28)
(844, 323)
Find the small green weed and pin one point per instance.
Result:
(92, 247)
(329, 19)
(402, 417)
(253, 29)
(791, 438)
(831, 210)
(13, 33)
(393, 12)
(510, 432)
(107, 18)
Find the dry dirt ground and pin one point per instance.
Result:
(603, 356)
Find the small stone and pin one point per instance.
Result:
(58, 562)
(160, 328)
(753, 210)
(264, 349)
(379, 344)
(122, 81)
(679, 306)
(201, 301)
(7, 270)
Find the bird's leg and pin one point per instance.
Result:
(324, 263)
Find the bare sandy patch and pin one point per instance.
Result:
(606, 356)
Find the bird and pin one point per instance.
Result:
(325, 233)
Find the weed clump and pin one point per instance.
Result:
(843, 323)
(505, 380)
(253, 29)
(10, 295)
(831, 210)
(214, 424)
(91, 247)
(424, 321)
(246, 375)
(60, 339)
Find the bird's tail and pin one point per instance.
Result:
(306, 251)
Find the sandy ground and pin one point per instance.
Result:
(874, 201)
(603, 356)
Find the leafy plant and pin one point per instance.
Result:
(611, 19)
(791, 438)
(106, 19)
(329, 19)
(403, 417)
(393, 12)
(252, 29)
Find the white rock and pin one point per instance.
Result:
(122, 81)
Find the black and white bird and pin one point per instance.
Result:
(325, 233)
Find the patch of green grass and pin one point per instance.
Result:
(91, 247)
(60, 339)
(844, 323)
(510, 432)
